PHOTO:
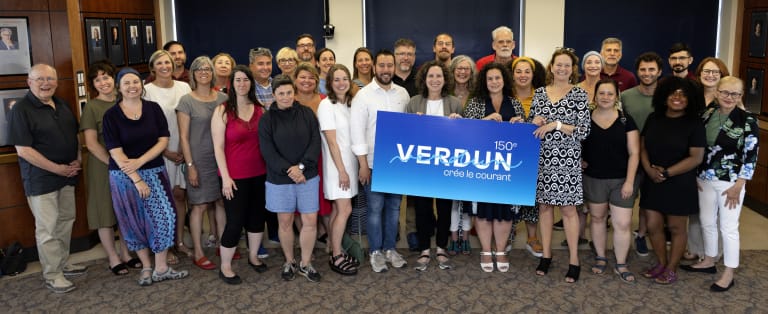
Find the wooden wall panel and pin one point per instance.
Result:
(133, 6)
(11, 182)
(62, 50)
(30, 5)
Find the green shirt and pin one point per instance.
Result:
(637, 105)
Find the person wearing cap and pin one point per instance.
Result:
(592, 63)
(136, 134)
(611, 53)
(44, 132)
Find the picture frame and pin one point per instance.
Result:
(753, 91)
(8, 98)
(757, 36)
(15, 51)
(95, 40)
(148, 38)
(133, 41)
(116, 41)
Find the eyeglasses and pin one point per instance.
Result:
(404, 54)
(41, 80)
(731, 95)
(710, 72)
(260, 51)
(285, 61)
(678, 58)
(204, 70)
(571, 50)
(305, 46)
(444, 43)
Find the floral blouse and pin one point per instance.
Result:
(734, 153)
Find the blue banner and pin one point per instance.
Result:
(460, 159)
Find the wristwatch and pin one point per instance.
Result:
(190, 164)
(301, 167)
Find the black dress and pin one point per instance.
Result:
(667, 141)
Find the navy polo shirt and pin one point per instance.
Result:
(52, 132)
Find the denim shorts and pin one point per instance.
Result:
(288, 198)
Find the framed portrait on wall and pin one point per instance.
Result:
(95, 40)
(15, 55)
(753, 90)
(8, 99)
(116, 42)
(148, 37)
(757, 34)
(133, 41)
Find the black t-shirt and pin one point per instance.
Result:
(409, 83)
(667, 140)
(605, 150)
(52, 133)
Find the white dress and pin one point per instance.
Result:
(336, 117)
(168, 99)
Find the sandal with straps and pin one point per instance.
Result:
(134, 263)
(502, 266)
(169, 274)
(654, 271)
(487, 267)
(543, 268)
(119, 269)
(422, 266)
(598, 268)
(145, 281)
(624, 275)
(446, 263)
(344, 266)
(351, 259)
(573, 273)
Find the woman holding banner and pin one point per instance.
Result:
(493, 101)
(560, 111)
(434, 83)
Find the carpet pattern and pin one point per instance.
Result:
(464, 289)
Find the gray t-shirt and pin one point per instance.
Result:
(637, 105)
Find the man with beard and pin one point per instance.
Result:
(305, 48)
(636, 102)
(383, 208)
(443, 49)
(503, 44)
(680, 59)
(405, 58)
(180, 72)
(611, 53)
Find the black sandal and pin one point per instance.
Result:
(119, 269)
(543, 267)
(345, 267)
(351, 259)
(573, 273)
(134, 263)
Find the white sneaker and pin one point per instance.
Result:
(394, 258)
(59, 285)
(378, 262)
(211, 241)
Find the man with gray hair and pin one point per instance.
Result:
(503, 44)
(44, 132)
(260, 63)
(611, 52)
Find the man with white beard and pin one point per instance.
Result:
(503, 44)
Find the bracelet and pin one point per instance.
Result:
(138, 181)
(559, 125)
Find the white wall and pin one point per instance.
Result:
(543, 30)
(347, 16)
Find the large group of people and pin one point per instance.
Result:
(293, 152)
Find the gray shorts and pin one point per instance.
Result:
(607, 191)
(288, 198)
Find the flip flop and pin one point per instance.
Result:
(205, 264)
(119, 269)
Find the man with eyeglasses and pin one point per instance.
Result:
(260, 63)
(44, 132)
(680, 59)
(405, 58)
(444, 48)
(305, 48)
(636, 102)
(180, 72)
(611, 53)
(503, 44)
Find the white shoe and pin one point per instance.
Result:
(378, 262)
(394, 258)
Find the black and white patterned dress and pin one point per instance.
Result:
(559, 180)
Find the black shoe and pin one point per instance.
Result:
(706, 270)
(235, 280)
(715, 288)
(573, 272)
(289, 270)
(558, 225)
(309, 272)
(258, 268)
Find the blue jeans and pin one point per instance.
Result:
(383, 218)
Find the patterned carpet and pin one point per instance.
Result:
(465, 289)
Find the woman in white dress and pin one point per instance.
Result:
(339, 163)
(166, 91)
